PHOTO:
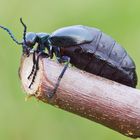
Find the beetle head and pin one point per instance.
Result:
(29, 42)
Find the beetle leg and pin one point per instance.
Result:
(36, 69)
(63, 59)
(36, 66)
(33, 68)
(57, 53)
(50, 51)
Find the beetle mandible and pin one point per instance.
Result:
(86, 48)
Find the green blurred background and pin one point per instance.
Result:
(33, 120)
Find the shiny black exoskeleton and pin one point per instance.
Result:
(87, 48)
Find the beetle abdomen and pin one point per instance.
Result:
(104, 57)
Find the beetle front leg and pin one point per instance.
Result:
(33, 68)
(64, 59)
(36, 66)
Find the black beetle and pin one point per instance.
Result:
(86, 48)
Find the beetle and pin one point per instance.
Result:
(86, 48)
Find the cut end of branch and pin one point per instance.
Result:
(24, 72)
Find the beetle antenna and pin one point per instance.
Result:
(25, 30)
(11, 34)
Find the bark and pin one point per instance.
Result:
(95, 98)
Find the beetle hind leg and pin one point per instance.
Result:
(64, 59)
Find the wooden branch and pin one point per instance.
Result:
(106, 102)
